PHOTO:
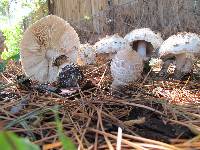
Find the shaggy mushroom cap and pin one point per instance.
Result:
(110, 44)
(184, 47)
(43, 42)
(86, 55)
(144, 39)
(107, 47)
(126, 67)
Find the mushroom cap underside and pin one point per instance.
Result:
(188, 43)
(44, 41)
(144, 34)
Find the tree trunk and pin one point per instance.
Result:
(2, 39)
(51, 7)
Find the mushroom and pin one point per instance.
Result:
(107, 47)
(156, 64)
(86, 55)
(70, 76)
(145, 41)
(43, 42)
(184, 47)
(126, 67)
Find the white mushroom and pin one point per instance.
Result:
(144, 40)
(107, 47)
(126, 67)
(185, 47)
(156, 64)
(86, 55)
(43, 42)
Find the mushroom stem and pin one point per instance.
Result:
(184, 63)
(141, 49)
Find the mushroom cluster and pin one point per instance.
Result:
(51, 51)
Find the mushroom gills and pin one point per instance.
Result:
(141, 49)
(60, 60)
(42, 42)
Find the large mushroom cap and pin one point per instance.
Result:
(126, 67)
(110, 44)
(43, 42)
(180, 43)
(86, 54)
(145, 34)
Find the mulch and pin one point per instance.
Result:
(152, 113)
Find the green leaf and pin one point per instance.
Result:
(13, 36)
(15, 57)
(4, 7)
(13, 142)
(10, 55)
(3, 66)
(66, 141)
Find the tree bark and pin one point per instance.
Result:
(51, 7)
(2, 39)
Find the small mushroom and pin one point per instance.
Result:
(184, 47)
(107, 47)
(86, 55)
(155, 64)
(70, 76)
(145, 41)
(126, 67)
(42, 43)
